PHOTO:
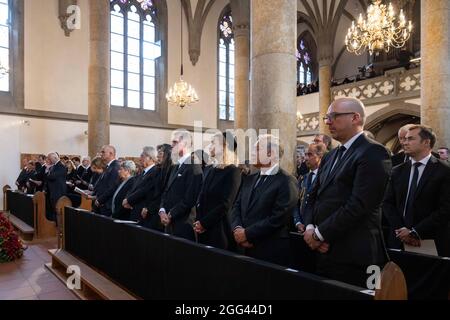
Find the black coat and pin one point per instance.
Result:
(106, 186)
(346, 206)
(55, 184)
(180, 196)
(431, 208)
(264, 213)
(217, 195)
(119, 211)
(146, 193)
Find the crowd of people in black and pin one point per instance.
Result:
(336, 201)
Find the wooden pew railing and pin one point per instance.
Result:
(42, 228)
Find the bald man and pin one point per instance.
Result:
(344, 227)
(108, 182)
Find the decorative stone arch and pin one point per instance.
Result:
(384, 123)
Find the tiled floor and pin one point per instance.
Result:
(28, 279)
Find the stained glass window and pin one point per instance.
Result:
(304, 74)
(4, 44)
(134, 51)
(226, 67)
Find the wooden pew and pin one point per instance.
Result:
(41, 228)
(94, 286)
(5, 200)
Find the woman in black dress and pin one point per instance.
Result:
(220, 186)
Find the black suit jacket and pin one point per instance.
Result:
(119, 211)
(106, 186)
(217, 195)
(265, 214)
(180, 196)
(431, 208)
(346, 204)
(56, 183)
(145, 194)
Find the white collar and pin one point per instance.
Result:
(148, 168)
(183, 158)
(111, 162)
(271, 171)
(349, 143)
(424, 161)
(315, 171)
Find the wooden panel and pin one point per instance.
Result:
(97, 283)
(392, 284)
(45, 228)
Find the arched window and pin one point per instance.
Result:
(226, 66)
(304, 64)
(4, 44)
(135, 50)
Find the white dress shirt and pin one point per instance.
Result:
(421, 169)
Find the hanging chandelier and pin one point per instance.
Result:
(380, 31)
(182, 94)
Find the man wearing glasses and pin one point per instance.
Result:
(344, 226)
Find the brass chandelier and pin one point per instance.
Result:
(381, 31)
(182, 94)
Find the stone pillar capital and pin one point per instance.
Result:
(241, 30)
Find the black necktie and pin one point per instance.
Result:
(309, 181)
(339, 155)
(411, 196)
(260, 181)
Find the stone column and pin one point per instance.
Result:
(435, 69)
(241, 77)
(325, 59)
(99, 76)
(273, 71)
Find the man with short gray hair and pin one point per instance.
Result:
(55, 184)
(266, 201)
(182, 189)
(145, 187)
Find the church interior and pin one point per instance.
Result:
(79, 75)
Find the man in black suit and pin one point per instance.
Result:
(182, 189)
(313, 157)
(127, 173)
(264, 206)
(345, 225)
(145, 187)
(108, 181)
(55, 184)
(417, 202)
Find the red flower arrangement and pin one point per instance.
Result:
(11, 247)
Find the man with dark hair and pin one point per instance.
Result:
(325, 139)
(313, 157)
(443, 153)
(417, 201)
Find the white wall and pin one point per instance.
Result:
(56, 66)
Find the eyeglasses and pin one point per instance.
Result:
(332, 116)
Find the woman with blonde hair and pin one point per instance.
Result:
(219, 189)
